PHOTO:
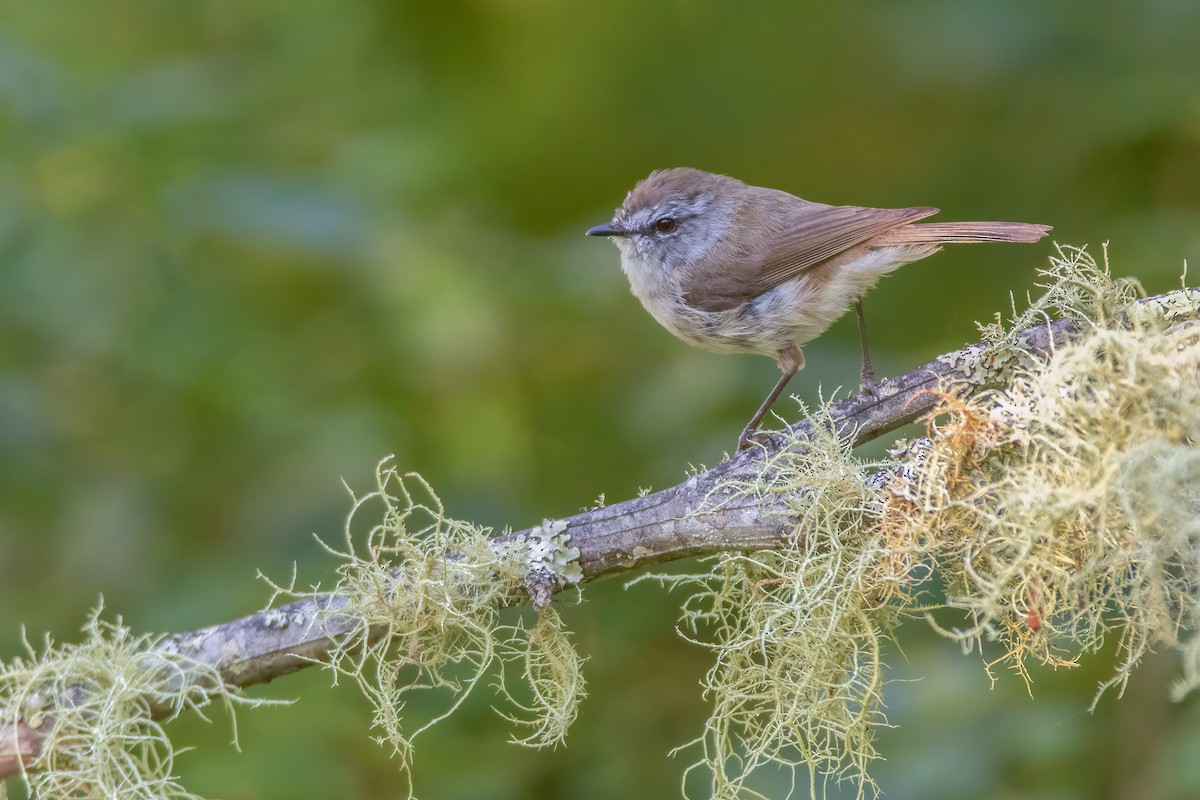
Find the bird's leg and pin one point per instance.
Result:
(869, 385)
(791, 361)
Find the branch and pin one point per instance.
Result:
(681, 521)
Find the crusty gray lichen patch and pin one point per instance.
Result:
(552, 562)
(909, 459)
(280, 618)
(988, 365)
(1170, 308)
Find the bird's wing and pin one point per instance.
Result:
(807, 234)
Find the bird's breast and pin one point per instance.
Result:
(752, 327)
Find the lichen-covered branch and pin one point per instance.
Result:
(700, 516)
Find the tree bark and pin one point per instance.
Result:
(688, 519)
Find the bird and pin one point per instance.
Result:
(733, 268)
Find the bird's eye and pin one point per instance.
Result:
(664, 224)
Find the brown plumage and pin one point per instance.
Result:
(730, 267)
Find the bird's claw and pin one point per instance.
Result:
(754, 437)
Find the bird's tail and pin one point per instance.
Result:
(952, 232)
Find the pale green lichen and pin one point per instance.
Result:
(1075, 287)
(1065, 506)
(1059, 508)
(552, 555)
(550, 561)
(94, 706)
(552, 681)
(425, 592)
(797, 632)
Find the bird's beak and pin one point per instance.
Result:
(607, 229)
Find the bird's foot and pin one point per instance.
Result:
(752, 436)
(870, 386)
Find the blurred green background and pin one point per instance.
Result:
(248, 249)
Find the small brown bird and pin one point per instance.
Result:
(734, 268)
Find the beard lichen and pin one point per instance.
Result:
(425, 594)
(797, 632)
(1065, 507)
(551, 672)
(1059, 509)
(94, 706)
